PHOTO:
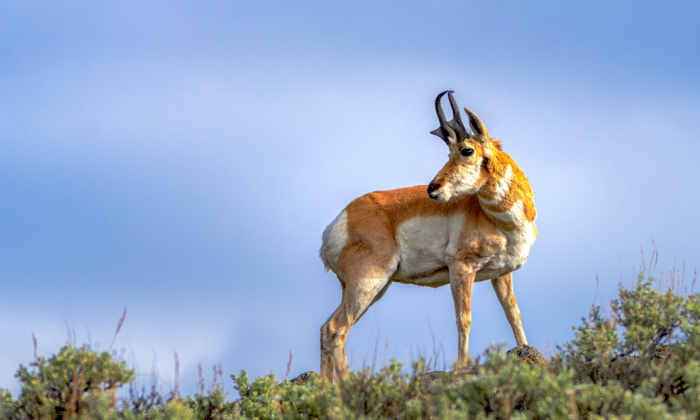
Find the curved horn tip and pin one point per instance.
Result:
(439, 111)
(453, 103)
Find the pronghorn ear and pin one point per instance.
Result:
(477, 126)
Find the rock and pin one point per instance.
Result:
(446, 377)
(528, 354)
(524, 353)
(303, 378)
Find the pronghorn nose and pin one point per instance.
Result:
(432, 187)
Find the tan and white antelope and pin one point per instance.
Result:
(475, 223)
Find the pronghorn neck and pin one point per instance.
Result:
(506, 197)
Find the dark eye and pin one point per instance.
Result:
(467, 152)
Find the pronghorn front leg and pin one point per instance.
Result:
(461, 282)
(504, 290)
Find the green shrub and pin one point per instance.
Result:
(76, 381)
(644, 358)
(640, 360)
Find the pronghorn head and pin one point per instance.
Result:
(466, 170)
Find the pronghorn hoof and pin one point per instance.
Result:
(528, 354)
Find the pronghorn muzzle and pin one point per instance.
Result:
(432, 187)
(439, 190)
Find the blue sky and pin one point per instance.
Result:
(182, 159)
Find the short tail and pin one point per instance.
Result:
(324, 257)
(334, 239)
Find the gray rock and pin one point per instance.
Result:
(528, 354)
(524, 353)
(303, 378)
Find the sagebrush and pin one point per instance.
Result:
(639, 358)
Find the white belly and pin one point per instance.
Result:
(424, 243)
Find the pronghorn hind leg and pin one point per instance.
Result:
(360, 292)
(504, 290)
(328, 332)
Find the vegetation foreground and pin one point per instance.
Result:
(640, 361)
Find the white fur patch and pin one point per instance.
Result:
(514, 214)
(444, 194)
(334, 239)
(518, 244)
(464, 179)
(424, 244)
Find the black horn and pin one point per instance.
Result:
(445, 132)
(452, 130)
(456, 123)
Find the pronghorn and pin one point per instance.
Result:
(475, 223)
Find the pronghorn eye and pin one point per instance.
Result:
(467, 152)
